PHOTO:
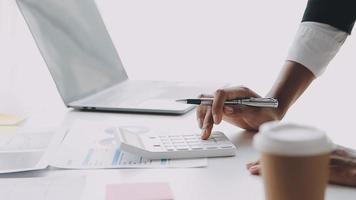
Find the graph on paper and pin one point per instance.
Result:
(91, 145)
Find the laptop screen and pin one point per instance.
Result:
(75, 45)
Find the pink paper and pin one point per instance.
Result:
(139, 191)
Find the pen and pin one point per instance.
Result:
(247, 101)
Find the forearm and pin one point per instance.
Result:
(292, 81)
(318, 39)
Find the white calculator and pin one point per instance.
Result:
(176, 146)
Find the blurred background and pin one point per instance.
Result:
(236, 41)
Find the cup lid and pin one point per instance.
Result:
(291, 139)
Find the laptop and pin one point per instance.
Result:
(86, 68)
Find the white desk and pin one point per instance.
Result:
(195, 37)
(224, 178)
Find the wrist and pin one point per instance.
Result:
(290, 84)
(281, 110)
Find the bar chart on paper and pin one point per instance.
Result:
(112, 158)
(98, 148)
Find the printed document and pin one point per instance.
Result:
(27, 150)
(89, 145)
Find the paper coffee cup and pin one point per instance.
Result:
(294, 161)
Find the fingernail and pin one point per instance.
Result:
(254, 170)
(228, 110)
(202, 135)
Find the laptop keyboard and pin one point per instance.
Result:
(136, 92)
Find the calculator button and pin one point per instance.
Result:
(190, 139)
(224, 143)
(170, 148)
(226, 146)
(177, 140)
(182, 147)
(175, 137)
(208, 142)
(193, 142)
(211, 147)
(179, 144)
(196, 147)
(188, 135)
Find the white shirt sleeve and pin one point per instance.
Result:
(315, 45)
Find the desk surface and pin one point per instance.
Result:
(224, 177)
(215, 42)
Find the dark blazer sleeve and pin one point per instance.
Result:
(337, 13)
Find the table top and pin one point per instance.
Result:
(223, 177)
(210, 42)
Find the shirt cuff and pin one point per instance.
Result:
(315, 45)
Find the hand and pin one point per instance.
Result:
(342, 167)
(246, 117)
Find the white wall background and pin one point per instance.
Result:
(242, 42)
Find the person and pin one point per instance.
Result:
(325, 26)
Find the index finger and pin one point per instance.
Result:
(218, 104)
(201, 111)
